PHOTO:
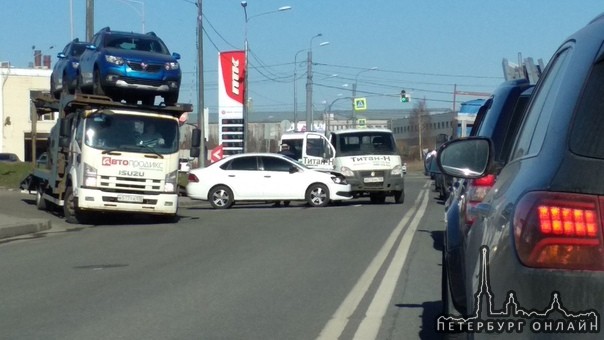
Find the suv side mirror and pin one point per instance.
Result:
(465, 158)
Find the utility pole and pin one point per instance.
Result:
(309, 122)
(201, 161)
(89, 19)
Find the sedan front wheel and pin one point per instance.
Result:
(317, 195)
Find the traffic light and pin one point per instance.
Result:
(405, 97)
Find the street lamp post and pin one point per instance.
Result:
(354, 93)
(245, 78)
(295, 92)
(201, 160)
(309, 115)
(140, 12)
(328, 111)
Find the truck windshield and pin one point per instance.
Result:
(119, 132)
(364, 143)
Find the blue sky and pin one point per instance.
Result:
(422, 46)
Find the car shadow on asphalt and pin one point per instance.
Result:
(104, 219)
(438, 238)
(432, 310)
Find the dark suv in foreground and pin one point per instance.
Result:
(130, 66)
(535, 254)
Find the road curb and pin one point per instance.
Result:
(26, 227)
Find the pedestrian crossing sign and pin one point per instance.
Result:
(360, 104)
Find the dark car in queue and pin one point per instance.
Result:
(64, 76)
(535, 252)
(130, 66)
(499, 122)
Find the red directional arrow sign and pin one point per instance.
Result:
(217, 154)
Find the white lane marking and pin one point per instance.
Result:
(335, 326)
(370, 326)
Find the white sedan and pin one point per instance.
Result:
(264, 177)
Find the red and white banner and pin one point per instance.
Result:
(231, 84)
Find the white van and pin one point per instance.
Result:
(368, 157)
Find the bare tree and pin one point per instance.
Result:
(421, 122)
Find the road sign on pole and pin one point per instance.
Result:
(360, 104)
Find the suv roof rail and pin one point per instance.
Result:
(152, 34)
(76, 40)
(105, 29)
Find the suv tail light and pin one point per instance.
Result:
(559, 230)
(476, 190)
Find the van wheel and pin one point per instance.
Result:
(399, 197)
(221, 197)
(317, 195)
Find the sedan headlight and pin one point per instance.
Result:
(397, 171)
(346, 171)
(114, 60)
(171, 66)
(170, 183)
(89, 175)
(338, 179)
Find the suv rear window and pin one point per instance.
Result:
(586, 134)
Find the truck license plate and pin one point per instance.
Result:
(373, 179)
(130, 198)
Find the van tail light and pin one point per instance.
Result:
(192, 178)
(476, 191)
(559, 230)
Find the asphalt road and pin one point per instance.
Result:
(350, 271)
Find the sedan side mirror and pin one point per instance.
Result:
(293, 169)
(465, 158)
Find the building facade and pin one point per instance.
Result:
(17, 88)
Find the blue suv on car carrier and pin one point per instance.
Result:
(130, 66)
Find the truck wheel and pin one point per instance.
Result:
(399, 197)
(317, 195)
(40, 201)
(221, 197)
(70, 208)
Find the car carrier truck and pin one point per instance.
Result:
(368, 157)
(100, 161)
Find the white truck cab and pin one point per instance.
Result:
(368, 157)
